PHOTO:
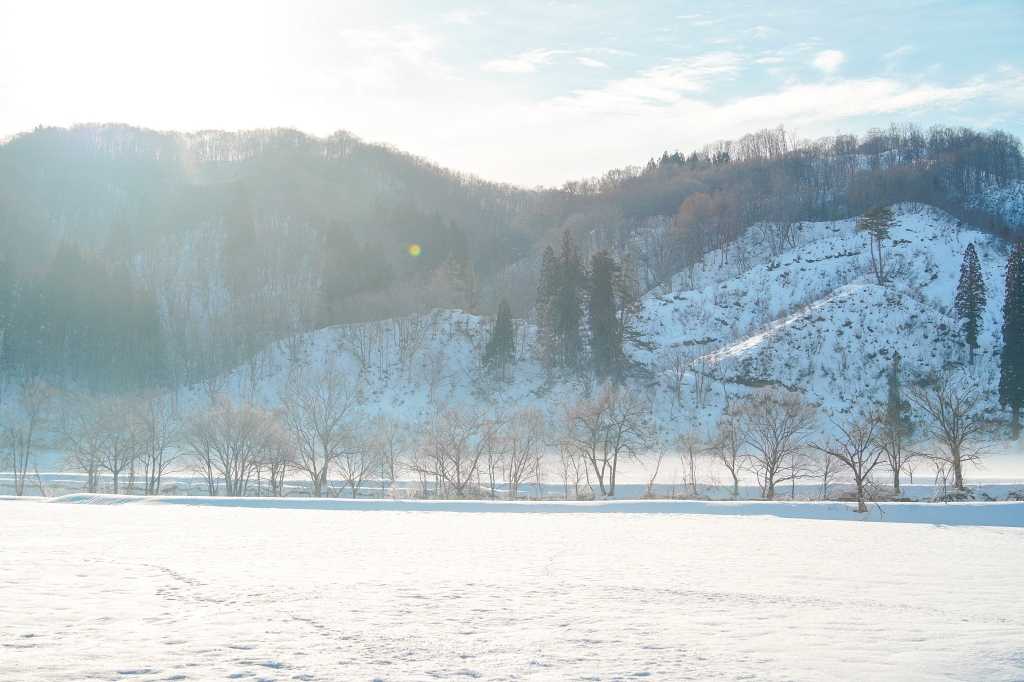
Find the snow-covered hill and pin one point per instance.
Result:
(811, 317)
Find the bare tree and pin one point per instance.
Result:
(157, 429)
(116, 438)
(615, 426)
(321, 412)
(452, 444)
(690, 448)
(388, 441)
(826, 468)
(951, 401)
(775, 423)
(573, 470)
(725, 445)
(522, 437)
(23, 431)
(357, 464)
(855, 446)
(229, 444)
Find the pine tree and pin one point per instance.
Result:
(605, 338)
(572, 284)
(1011, 361)
(970, 297)
(877, 222)
(547, 296)
(897, 426)
(501, 347)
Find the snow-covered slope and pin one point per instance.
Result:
(811, 317)
(815, 318)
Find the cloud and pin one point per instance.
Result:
(769, 60)
(828, 61)
(527, 62)
(661, 85)
(587, 61)
(462, 16)
(760, 31)
(382, 54)
(900, 51)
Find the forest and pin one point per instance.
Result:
(133, 259)
(138, 265)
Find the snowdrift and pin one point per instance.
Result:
(1005, 514)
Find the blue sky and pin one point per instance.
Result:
(526, 92)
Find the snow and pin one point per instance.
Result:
(185, 591)
(1007, 514)
(810, 317)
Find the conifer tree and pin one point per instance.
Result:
(605, 339)
(501, 347)
(970, 298)
(877, 221)
(1011, 361)
(897, 428)
(572, 284)
(547, 295)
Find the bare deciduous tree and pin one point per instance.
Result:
(321, 412)
(690, 447)
(229, 443)
(775, 423)
(615, 426)
(23, 432)
(157, 429)
(725, 445)
(856, 447)
(522, 437)
(951, 400)
(452, 444)
(388, 441)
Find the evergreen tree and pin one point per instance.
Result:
(877, 222)
(572, 285)
(970, 297)
(897, 426)
(547, 294)
(605, 337)
(1011, 361)
(501, 347)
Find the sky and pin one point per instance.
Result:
(534, 93)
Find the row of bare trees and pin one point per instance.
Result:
(321, 433)
(777, 436)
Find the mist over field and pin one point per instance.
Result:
(533, 341)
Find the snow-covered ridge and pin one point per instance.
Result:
(810, 317)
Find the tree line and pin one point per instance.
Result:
(207, 246)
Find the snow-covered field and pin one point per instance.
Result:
(184, 591)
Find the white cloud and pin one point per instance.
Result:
(381, 54)
(769, 60)
(587, 61)
(527, 62)
(828, 60)
(462, 16)
(661, 85)
(760, 31)
(900, 51)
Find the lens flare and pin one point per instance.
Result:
(414, 250)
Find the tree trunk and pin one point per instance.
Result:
(1015, 424)
(896, 481)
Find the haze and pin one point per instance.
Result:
(530, 93)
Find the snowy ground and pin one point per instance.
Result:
(177, 591)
